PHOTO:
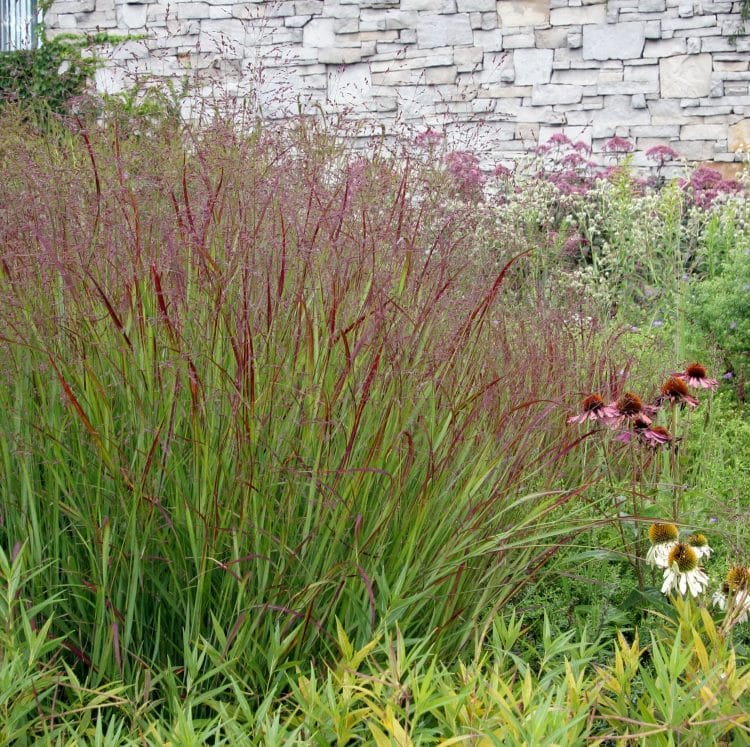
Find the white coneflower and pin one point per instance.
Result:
(683, 573)
(699, 543)
(736, 594)
(663, 538)
(719, 597)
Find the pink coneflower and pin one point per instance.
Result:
(675, 391)
(695, 375)
(593, 408)
(630, 407)
(656, 435)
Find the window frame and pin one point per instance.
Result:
(19, 23)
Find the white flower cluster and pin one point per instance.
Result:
(680, 561)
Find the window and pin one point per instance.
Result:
(18, 21)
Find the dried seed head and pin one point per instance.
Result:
(737, 578)
(659, 533)
(685, 557)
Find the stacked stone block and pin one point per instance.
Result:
(497, 75)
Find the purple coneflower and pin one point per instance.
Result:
(675, 391)
(593, 408)
(630, 407)
(655, 435)
(695, 375)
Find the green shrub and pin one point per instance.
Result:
(721, 306)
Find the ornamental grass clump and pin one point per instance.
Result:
(256, 384)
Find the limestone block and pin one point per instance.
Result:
(703, 132)
(133, 16)
(340, 55)
(396, 77)
(619, 109)
(576, 16)
(518, 41)
(308, 7)
(698, 22)
(618, 41)
(219, 11)
(245, 11)
(489, 21)
(350, 86)
(652, 6)
(734, 66)
(664, 48)
(532, 66)
(653, 30)
(319, 33)
(717, 44)
(585, 77)
(490, 41)
(638, 101)
(435, 30)
(467, 59)
(576, 134)
(471, 6)
(227, 37)
(508, 92)
(697, 150)
(648, 72)
(545, 95)
(332, 10)
(74, 6)
(443, 75)
(575, 39)
(192, 10)
(436, 6)
(523, 12)
(399, 20)
(739, 136)
(551, 38)
(685, 76)
(385, 103)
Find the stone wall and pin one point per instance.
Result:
(499, 75)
